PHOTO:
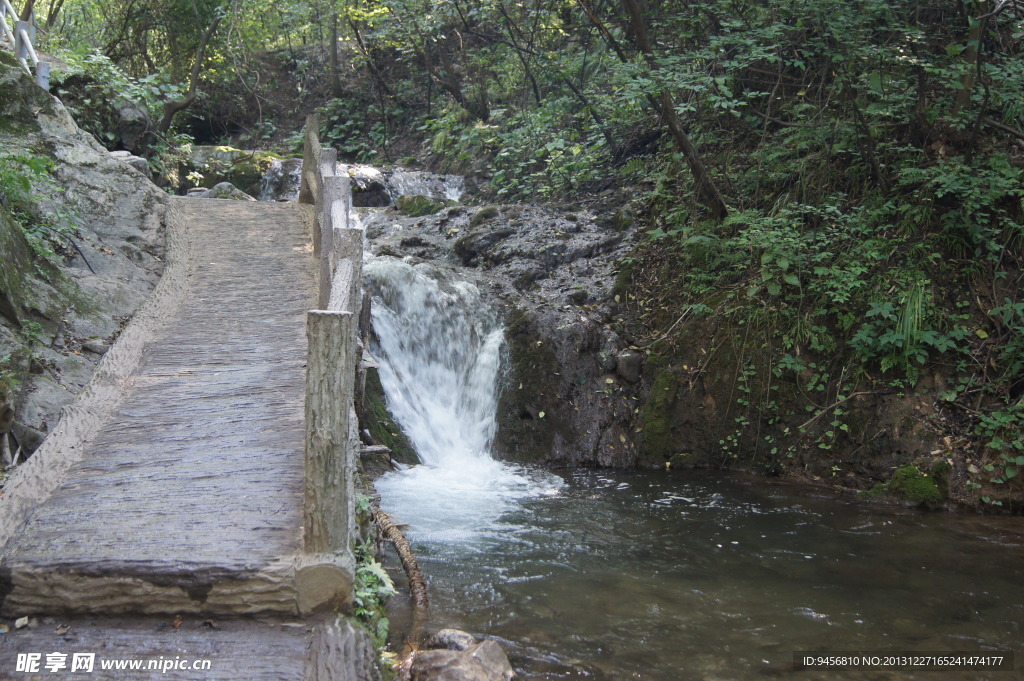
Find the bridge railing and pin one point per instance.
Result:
(21, 38)
(333, 355)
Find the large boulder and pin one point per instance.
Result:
(102, 270)
(134, 127)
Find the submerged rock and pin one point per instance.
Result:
(453, 655)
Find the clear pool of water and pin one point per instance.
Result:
(597, 575)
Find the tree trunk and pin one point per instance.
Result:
(707, 190)
(26, 12)
(174, 106)
(333, 52)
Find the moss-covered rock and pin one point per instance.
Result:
(382, 427)
(420, 206)
(530, 416)
(657, 440)
(483, 215)
(244, 169)
(910, 484)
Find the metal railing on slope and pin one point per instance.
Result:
(21, 38)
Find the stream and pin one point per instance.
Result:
(656, 575)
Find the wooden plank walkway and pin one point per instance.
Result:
(189, 499)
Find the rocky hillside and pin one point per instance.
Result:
(80, 240)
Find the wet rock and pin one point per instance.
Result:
(224, 190)
(484, 661)
(281, 181)
(450, 639)
(579, 296)
(628, 365)
(414, 242)
(471, 247)
(552, 278)
(369, 187)
(527, 277)
(420, 206)
(483, 215)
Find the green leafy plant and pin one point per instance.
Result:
(373, 586)
(21, 176)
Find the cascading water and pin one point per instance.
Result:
(439, 347)
(418, 183)
(651, 575)
(281, 181)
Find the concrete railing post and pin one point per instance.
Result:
(325, 571)
(43, 75)
(330, 375)
(20, 44)
(310, 160)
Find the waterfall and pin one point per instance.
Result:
(439, 349)
(439, 346)
(281, 181)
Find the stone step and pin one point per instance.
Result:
(187, 649)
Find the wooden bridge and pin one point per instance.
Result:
(193, 510)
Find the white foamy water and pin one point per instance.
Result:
(439, 346)
(419, 183)
(281, 181)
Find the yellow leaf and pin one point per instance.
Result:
(540, 415)
(609, 380)
(982, 334)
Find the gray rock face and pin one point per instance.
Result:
(110, 264)
(137, 162)
(571, 375)
(458, 657)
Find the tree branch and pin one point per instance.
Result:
(174, 106)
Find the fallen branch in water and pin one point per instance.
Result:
(417, 586)
(417, 589)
